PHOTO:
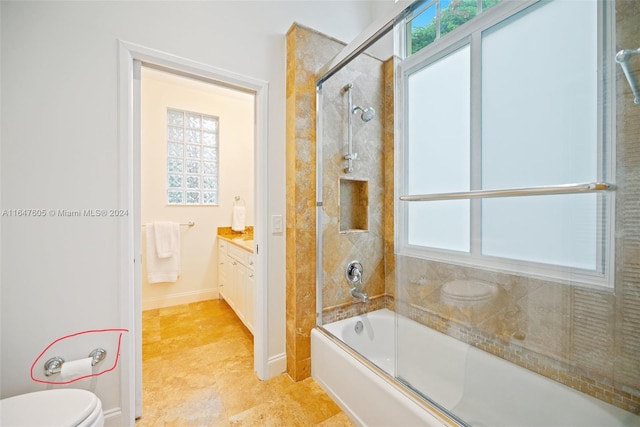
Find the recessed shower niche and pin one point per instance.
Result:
(354, 205)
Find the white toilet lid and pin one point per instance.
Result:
(59, 408)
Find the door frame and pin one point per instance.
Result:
(131, 58)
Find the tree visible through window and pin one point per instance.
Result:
(192, 158)
(439, 17)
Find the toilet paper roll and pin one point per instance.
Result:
(76, 369)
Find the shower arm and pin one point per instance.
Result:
(622, 58)
(350, 156)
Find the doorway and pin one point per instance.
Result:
(132, 59)
(197, 161)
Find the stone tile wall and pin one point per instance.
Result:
(366, 246)
(307, 52)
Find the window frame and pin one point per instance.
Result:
(470, 33)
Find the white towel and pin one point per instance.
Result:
(238, 218)
(167, 236)
(165, 269)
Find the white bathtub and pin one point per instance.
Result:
(477, 387)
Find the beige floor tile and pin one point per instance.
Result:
(198, 372)
(280, 413)
(338, 420)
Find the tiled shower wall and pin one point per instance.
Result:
(584, 338)
(340, 245)
(337, 304)
(627, 323)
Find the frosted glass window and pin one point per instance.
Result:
(192, 158)
(540, 127)
(557, 230)
(535, 114)
(438, 151)
(540, 101)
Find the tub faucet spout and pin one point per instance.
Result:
(358, 295)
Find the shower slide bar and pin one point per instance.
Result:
(529, 191)
(622, 58)
(350, 156)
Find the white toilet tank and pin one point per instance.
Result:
(59, 408)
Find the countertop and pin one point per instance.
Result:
(244, 240)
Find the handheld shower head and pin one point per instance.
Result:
(366, 114)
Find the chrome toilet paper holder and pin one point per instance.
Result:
(54, 365)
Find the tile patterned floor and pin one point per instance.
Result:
(198, 372)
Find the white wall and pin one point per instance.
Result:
(235, 110)
(60, 151)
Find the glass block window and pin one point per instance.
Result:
(192, 158)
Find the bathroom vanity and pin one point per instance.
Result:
(235, 275)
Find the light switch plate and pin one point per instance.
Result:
(276, 223)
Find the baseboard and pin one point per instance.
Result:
(113, 418)
(179, 298)
(276, 365)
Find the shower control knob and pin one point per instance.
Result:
(354, 272)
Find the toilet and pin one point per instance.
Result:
(60, 408)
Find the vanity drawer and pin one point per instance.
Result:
(222, 247)
(241, 255)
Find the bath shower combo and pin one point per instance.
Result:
(438, 340)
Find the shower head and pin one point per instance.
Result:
(366, 114)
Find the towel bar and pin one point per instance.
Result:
(188, 224)
(530, 191)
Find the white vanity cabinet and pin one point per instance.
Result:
(223, 269)
(235, 279)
